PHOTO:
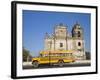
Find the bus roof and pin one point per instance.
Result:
(56, 51)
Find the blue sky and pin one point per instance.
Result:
(37, 23)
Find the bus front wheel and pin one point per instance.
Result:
(35, 64)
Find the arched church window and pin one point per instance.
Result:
(79, 44)
(61, 44)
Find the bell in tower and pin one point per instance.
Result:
(77, 31)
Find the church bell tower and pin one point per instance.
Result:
(78, 43)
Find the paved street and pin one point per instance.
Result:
(28, 65)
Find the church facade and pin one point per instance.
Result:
(61, 39)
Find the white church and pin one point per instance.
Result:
(62, 40)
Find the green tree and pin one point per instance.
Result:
(88, 55)
(26, 55)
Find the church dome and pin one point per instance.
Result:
(77, 26)
(61, 25)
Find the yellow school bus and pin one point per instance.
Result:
(54, 57)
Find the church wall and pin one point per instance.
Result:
(57, 44)
(47, 44)
(70, 44)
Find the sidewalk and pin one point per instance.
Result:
(27, 63)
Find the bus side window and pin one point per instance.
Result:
(57, 55)
(66, 54)
(46, 55)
